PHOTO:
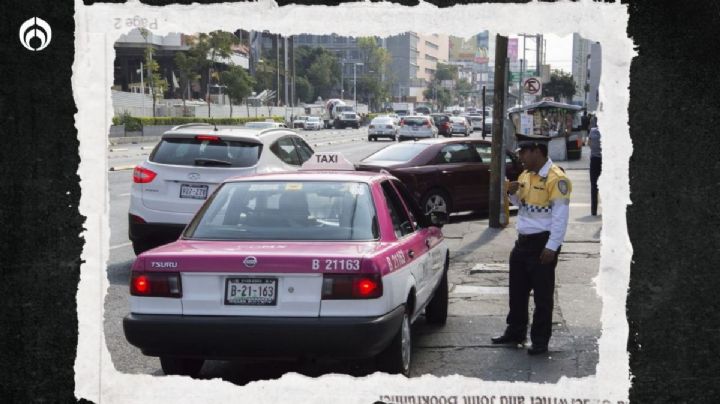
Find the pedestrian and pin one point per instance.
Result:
(584, 126)
(542, 193)
(595, 165)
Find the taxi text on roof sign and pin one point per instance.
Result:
(328, 161)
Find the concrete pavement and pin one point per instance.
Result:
(479, 300)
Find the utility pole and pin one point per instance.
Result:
(292, 70)
(277, 70)
(285, 70)
(497, 216)
(483, 112)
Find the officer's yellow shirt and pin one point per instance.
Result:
(543, 199)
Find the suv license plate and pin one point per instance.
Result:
(193, 191)
(251, 291)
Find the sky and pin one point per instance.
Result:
(559, 51)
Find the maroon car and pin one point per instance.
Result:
(450, 175)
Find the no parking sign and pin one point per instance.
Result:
(532, 85)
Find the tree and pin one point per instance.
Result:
(217, 44)
(463, 89)
(323, 74)
(303, 89)
(187, 67)
(156, 83)
(561, 85)
(376, 63)
(444, 96)
(238, 83)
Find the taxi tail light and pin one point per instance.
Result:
(155, 284)
(358, 286)
(142, 175)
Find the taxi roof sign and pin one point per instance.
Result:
(328, 161)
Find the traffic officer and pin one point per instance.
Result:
(542, 193)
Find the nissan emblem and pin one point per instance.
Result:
(250, 262)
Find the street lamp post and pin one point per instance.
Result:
(355, 65)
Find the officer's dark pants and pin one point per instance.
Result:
(595, 169)
(526, 274)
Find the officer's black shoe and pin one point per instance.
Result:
(507, 339)
(537, 349)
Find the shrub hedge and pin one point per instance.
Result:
(178, 120)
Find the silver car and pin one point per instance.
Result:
(314, 123)
(382, 126)
(417, 127)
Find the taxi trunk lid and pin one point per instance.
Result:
(255, 278)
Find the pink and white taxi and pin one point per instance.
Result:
(316, 262)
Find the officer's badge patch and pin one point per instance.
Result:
(563, 187)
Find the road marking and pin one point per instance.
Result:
(123, 167)
(125, 194)
(113, 150)
(479, 290)
(113, 247)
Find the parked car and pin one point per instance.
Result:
(476, 121)
(299, 122)
(416, 127)
(442, 122)
(382, 126)
(264, 125)
(314, 123)
(447, 175)
(319, 263)
(189, 163)
(460, 125)
(347, 120)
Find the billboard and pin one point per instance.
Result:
(512, 49)
(474, 49)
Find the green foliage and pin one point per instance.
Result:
(125, 118)
(446, 72)
(324, 74)
(187, 65)
(303, 89)
(561, 85)
(131, 123)
(370, 86)
(239, 84)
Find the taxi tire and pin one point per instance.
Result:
(437, 309)
(181, 366)
(390, 360)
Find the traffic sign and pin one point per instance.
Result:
(532, 85)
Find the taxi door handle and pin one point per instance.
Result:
(411, 253)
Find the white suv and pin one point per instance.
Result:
(189, 163)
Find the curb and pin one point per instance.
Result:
(123, 167)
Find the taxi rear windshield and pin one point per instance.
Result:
(196, 152)
(280, 210)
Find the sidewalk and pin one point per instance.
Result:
(479, 300)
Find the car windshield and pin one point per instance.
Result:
(287, 210)
(313, 119)
(457, 119)
(194, 152)
(397, 152)
(349, 116)
(381, 121)
(414, 121)
(260, 125)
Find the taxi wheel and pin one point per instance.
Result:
(395, 359)
(436, 200)
(436, 311)
(181, 366)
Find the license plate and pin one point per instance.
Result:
(415, 128)
(193, 191)
(251, 291)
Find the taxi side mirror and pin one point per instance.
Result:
(438, 218)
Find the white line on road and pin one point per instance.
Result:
(127, 194)
(113, 247)
(125, 167)
(113, 150)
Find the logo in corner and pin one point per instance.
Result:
(250, 262)
(35, 34)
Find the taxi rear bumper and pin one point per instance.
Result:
(224, 337)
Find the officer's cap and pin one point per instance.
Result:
(530, 141)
